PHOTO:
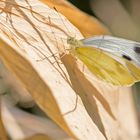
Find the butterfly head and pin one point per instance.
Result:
(74, 42)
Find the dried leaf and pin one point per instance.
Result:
(2, 130)
(20, 124)
(38, 137)
(87, 24)
(83, 106)
(48, 84)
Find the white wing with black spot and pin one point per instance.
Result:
(127, 49)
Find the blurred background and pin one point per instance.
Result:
(121, 17)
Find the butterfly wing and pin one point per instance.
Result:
(104, 66)
(129, 50)
(134, 70)
(117, 46)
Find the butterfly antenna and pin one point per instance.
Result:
(56, 39)
(53, 32)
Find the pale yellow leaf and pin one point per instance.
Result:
(83, 106)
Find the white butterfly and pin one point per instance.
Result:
(119, 62)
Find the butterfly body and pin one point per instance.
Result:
(96, 54)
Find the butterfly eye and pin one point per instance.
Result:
(126, 57)
(137, 50)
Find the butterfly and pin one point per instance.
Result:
(111, 59)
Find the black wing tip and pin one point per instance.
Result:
(137, 49)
